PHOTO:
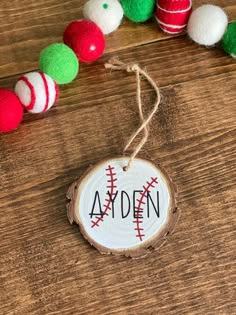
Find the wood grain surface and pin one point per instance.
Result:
(46, 267)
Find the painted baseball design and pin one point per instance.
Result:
(124, 212)
(172, 15)
(37, 92)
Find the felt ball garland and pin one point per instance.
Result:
(84, 41)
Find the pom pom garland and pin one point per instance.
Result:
(107, 15)
(138, 10)
(37, 92)
(229, 40)
(86, 39)
(207, 25)
(59, 62)
(11, 111)
(172, 15)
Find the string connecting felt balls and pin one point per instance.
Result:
(84, 41)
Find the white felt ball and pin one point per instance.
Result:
(107, 14)
(37, 92)
(207, 25)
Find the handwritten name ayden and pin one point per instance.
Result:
(123, 205)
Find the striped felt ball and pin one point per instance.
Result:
(37, 92)
(172, 15)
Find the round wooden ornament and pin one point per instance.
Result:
(124, 212)
(125, 205)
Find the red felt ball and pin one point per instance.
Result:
(11, 111)
(86, 39)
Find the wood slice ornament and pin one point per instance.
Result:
(124, 212)
(125, 205)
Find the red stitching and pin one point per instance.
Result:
(107, 207)
(137, 221)
(112, 193)
(139, 208)
(56, 92)
(45, 83)
(111, 187)
(32, 92)
(141, 202)
(110, 181)
(111, 174)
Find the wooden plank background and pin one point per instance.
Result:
(45, 265)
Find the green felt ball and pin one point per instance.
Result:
(138, 10)
(59, 62)
(229, 40)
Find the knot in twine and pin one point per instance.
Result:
(116, 64)
(132, 68)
